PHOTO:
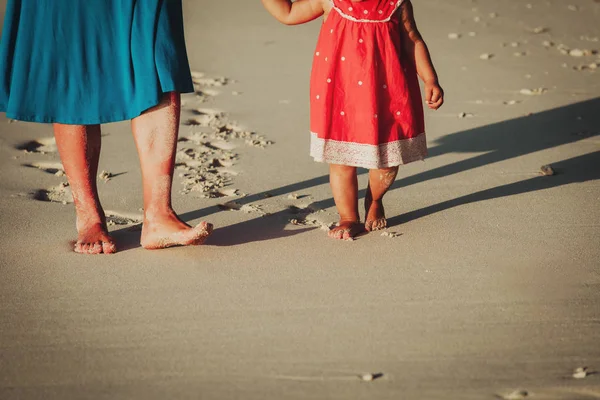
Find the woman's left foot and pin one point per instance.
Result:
(374, 214)
(167, 230)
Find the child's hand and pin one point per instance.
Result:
(434, 94)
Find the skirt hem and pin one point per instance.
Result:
(116, 117)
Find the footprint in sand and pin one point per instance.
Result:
(114, 218)
(199, 78)
(245, 208)
(206, 117)
(304, 215)
(205, 85)
(206, 94)
(54, 168)
(205, 157)
(42, 146)
(56, 194)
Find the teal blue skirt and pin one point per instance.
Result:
(87, 62)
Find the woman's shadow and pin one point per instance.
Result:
(497, 142)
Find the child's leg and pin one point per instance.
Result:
(344, 185)
(155, 133)
(79, 149)
(380, 181)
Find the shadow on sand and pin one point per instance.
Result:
(497, 142)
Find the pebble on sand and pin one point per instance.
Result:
(486, 56)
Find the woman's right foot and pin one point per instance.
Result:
(94, 239)
(346, 230)
(162, 230)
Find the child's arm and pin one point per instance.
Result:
(298, 12)
(415, 47)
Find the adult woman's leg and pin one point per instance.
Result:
(155, 133)
(79, 149)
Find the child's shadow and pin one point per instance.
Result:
(495, 143)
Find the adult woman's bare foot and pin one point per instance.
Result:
(346, 230)
(162, 231)
(374, 214)
(94, 239)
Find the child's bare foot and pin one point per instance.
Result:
(374, 214)
(94, 239)
(346, 230)
(167, 230)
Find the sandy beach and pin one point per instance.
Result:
(486, 284)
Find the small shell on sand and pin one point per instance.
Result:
(105, 176)
(391, 234)
(465, 115)
(486, 56)
(576, 53)
(454, 36)
(539, 29)
(516, 395)
(370, 377)
(546, 170)
(580, 373)
(533, 92)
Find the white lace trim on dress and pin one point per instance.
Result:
(366, 155)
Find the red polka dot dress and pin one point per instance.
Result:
(366, 108)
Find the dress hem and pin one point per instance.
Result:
(368, 156)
